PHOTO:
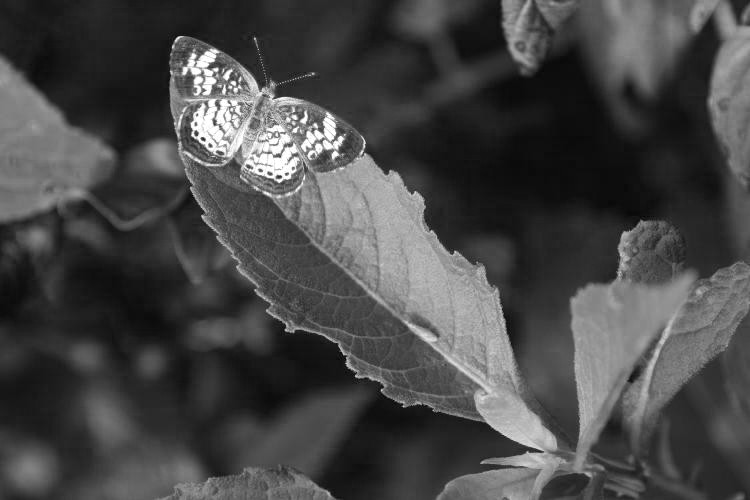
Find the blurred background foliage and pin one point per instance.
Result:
(132, 354)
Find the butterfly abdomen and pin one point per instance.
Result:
(261, 107)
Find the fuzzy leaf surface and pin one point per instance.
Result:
(699, 331)
(43, 160)
(613, 326)
(729, 102)
(529, 26)
(513, 484)
(281, 483)
(349, 257)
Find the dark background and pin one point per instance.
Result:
(120, 377)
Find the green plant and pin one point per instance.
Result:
(350, 257)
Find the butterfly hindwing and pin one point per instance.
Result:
(325, 141)
(273, 164)
(211, 131)
(200, 71)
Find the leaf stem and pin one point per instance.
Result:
(122, 224)
(627, 482)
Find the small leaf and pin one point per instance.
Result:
(652, 252)
(43, 160)
(529, 26)
(528, 460)
(281, 483)
(349, 257)
(509, 417)
(729, 102)
(513, 484)
(612, 326)
(698, 332)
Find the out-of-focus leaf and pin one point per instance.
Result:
(697, 12)
(150, 184)
(349, 257)
(529, 26)
(698, 332)
(513, 484)
(652, 252)
(28, 468)
(305, 436)
(249, 328)
(737, 368)
(43, 160)
(612, 326)
(729, 102)
(146, 470)
(426, 19)
(637, 45)
(281, 483)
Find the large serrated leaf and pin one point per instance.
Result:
(613, 325)
(281, 483)
(698, 332)
(43, 160)
(349, 257)
(529, 26)
(729, 102)
(513, 484)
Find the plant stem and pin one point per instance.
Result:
(623, 470)
(676, 487)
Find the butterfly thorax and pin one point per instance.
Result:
(261, 105)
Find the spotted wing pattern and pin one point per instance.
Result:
(200, 71)
(325, 141)
(273, 165)
(210, 131)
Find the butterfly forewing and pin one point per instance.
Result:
(273, 165)
(200, 71)
(325, 141)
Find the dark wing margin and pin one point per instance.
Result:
(325, 141)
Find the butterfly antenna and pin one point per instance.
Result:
(311, 74)
(260, 58)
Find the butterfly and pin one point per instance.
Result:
(222, 115)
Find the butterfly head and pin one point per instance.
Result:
(270, 89)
